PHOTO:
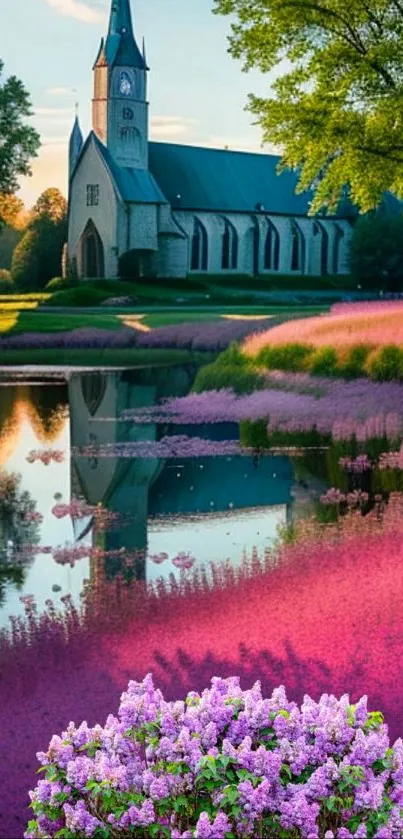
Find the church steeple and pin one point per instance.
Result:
(75, 144)
(120, 107)
(121, 47)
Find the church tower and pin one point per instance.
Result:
(120, 107)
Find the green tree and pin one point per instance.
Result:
(37, 257)
(19, 141)
(335, 108)
(12, 221)
(51, 204)
(376, 251)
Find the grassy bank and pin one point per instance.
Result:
(102, 358)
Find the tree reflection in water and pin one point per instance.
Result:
(19, 526)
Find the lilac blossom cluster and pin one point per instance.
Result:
(343, 409)
(358, 465)
(391, 460)
(223, 763)
(356, 498)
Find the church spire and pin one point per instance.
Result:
(75, 145)
(121, 48)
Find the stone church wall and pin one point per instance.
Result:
(247, 225)
(92, 171)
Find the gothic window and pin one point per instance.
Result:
(199, 255)
(229, 247)
(272, 249)
(128, 114)
(127, 134)
(92, 195)
(297, 248)
(336, 249)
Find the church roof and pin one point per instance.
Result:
(133, 185)
(220, 180)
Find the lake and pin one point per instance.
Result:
(130, 543)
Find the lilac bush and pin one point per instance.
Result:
(222, 764)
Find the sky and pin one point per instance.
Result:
(197, 92)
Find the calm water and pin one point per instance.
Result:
(150, 561)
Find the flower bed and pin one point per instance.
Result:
(223, 763)
(352, 340)
(323, 616)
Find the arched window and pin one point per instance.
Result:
(229, 247)
(339, 234)
(320, 230)
(272, 249)
(297, 248)
(199, 255)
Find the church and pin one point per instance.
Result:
(181, 209)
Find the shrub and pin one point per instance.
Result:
(351, 363)
(385, 363)
(376, 251)
(323, 362)
(224, 763)
(218, 376)
(6, 282)
(83, 295)
(289, 357)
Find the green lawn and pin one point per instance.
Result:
(19, 322)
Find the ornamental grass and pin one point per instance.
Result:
(344, 327)
(352, 340)
(321, 615)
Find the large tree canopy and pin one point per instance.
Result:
(19, 142)
(336, 107)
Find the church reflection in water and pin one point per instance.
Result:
(214, 507)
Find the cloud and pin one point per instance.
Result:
(78, 9)
(166, 127)
(61, 91)
(52, 112)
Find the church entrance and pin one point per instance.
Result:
(92, 253)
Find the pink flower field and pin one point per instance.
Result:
(373, 324)
(323, 615)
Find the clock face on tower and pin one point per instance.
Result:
(125, 85)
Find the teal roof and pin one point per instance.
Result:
(120, 47)
(245, 485)
(133, 185)
(221, 180)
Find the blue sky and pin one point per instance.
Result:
(197, 92)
